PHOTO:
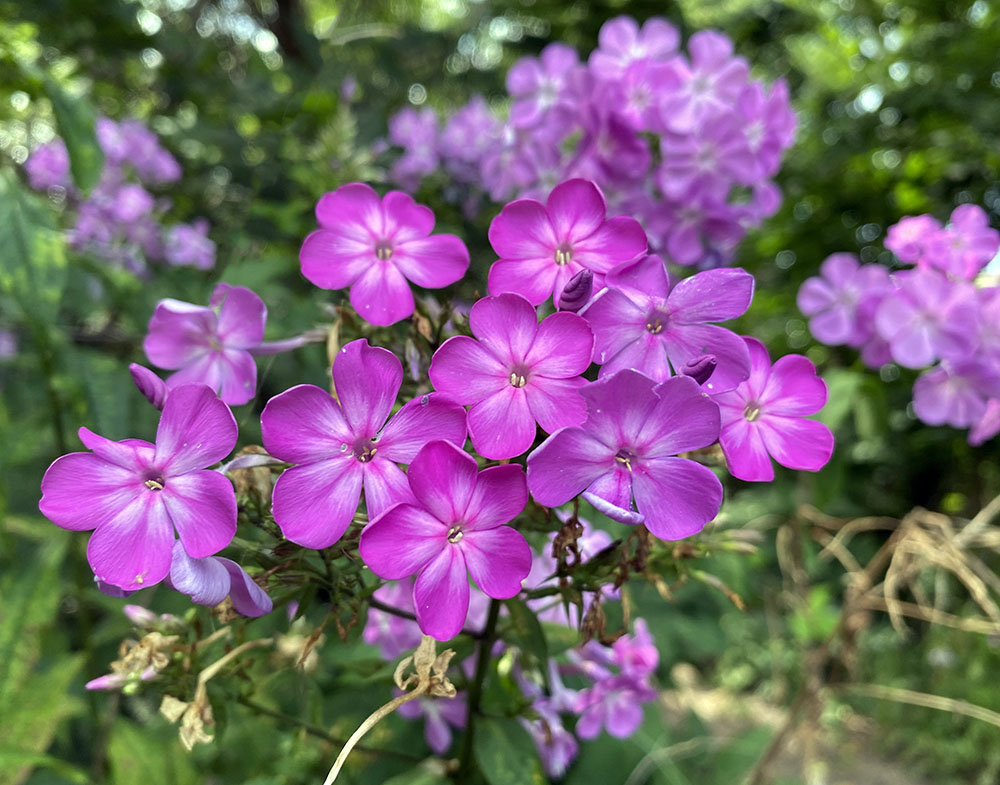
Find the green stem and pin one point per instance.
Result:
(476, 689)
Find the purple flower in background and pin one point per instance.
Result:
(715, 157)
(537, 88)
(48, 166)
(342, 447)
(455, 528)
(690, 229)
(377, 247)
(988, 425)
(416, 132)
(639, 322)
(841, 302)
(130, 202)
(542, 246)
(391, 633)
(908, 237)
(188, 245)
(963, 247)
(955, 394)
(625, 452)
(208, 581)
(764, 417)
(556, 746)
(768, 124)
(621, 44)
(210, 345)
(515, 373)
(468, 136)
(440, 716)
(927, 317)
(134, 494)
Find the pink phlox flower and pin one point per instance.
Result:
(391, 633)
(341, 446)
(515, 374)
(718, 154)
(908, 237)
(48, 166)
(623, 458)
(621, 44)
(956, 394)
(440, 716)
(641, 322)
(208, 581)
(841, 302)
(377, 247)
(542, 246)
(557, 747)
(454, 529)
(416, 132)
(210, 345)
(134, 495)
(764, 417)
(538, 89)
(965, 246)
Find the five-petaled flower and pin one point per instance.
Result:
(134, 494)
(517, 373)
(377, 247)
(340, 447)
(453, 528)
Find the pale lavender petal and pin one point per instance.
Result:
(382, 295)
(367, 380)
(402, 541)
(196, 430)
(443, 478)
(506, 326)
(712, 296)
(205, 581)
(795, 443)
(624, 714)
(242, 316)
(422, 420)
(746, 456)
(676, 496)
(132, 550)
(466, 372)
(556, 403)
(315, 503)
(563, 346)
(248, 598)
(498, 560)
(202, 507)
(81, 491)
(565, 465)
(988, 426)
(614, 490)
(433, 262)
(437, 734)
(385, 484)
(304, 424)
(441, 595)
(500, 495)
(502, 425)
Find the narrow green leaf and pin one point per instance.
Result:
(505, 753)
(75, 121)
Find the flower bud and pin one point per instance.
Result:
(577, 291)
(701, 368)
(149, 384)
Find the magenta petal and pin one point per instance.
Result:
(684, 419)
(422, 420)
(303, 424)
(385, 485)
(746, 456)
(534, 279)
(576, 209)
(441, 595)
(522, 230)
(795, 443)
(712, 296)
(207, 369)
(355, 206)
(131, 454)
(153, 388)
(132, 550)
(645, 276)
(334, 260)
(563, 346)
(405, 220)
(205, 581)
(616, 322)
(402, 541)
(196, 430)
(556, 403)
(202, 507)
(565, 465)
(248, 598)
(793, 388)
(178, 332)
(81, 491)
(242, 316)
(676, 496)
(464, 370)
(500, 495)
(688, 342)
(367, 380)
(647, 355)
(498, 560)
(502, 425)
(382, 295)
(443, 478)
(315, 503)
(238, 371)
(505, 325)
(619, 240)
(614, 489)
(433, 262)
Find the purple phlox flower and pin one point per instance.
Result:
(965, 246)
(210, 345)
(377, 247)
(416, 132)
(392, 634)
(142, 149)
(689, 229)
(440, 716)
(542, 246)
(467, 137)
(622, 459)
(719, 152)
(927, 317)
(556, 746)
(341, 446)
(454, 529)
(988, 425)
(537, 89)
(611, 151)
(764, 417)
(841, 302)
(515, 373)
(188, 245)
(134, 494)
(115, 681)
(210, 580)
(707, 85)
(48, 166)
(516, 161)
(988, 300)
(640, 322)
(908, 237)
(636, 655)
(955, 394)
(768, 124)
(613, 704)
(143, 617)
(622, 44)
(577, 291)
(153, 388)
(130, 202)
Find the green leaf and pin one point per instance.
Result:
(430, 772)
(505, 753)
(148, 755)
(12, 760)
(526, 632)
(75, 121)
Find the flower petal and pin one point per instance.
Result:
(196, 430)
(576, 209)
(443, 478)
(795, 443)
(405, 220)
(563, 346)
(132, 550)
(687, 342)
(202, 507)
(556, 403)
(616, 322)
(746, 456)
(500, 495)
(178, 332)
(205, 581)
(367, 380)
(647, 355)
(81, 491)
(464, 370)
(314, 503)
(505, 325)
(676, 496)
(712, 296)
(242, 316)
(385, 485)
(534, 279)
(565, 465)
(522, 230)
(793, 388)
(402, 541)
(684, 419)
(433, 262)
(619, 240)
(382, 294)
(334, 259)
(304, 424)
(248, 598)
(646, 277)
(354, 207)
(502, 425)
(441, 595)
(498, 560)
(238, 370)
(422, 420)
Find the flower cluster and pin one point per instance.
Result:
(937, 314)
(120, 221)
(684, 141)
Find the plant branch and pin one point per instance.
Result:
(476, 688)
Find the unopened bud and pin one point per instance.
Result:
(701, 368)
(150, 385)
(577, 291)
